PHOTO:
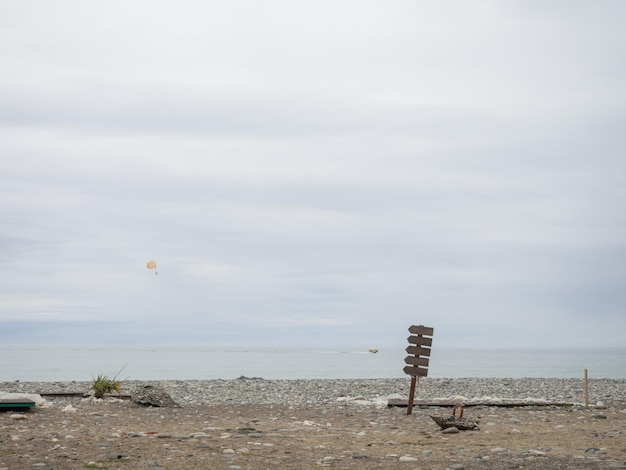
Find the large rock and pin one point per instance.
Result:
(149, 395)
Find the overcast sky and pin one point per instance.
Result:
(320, 174)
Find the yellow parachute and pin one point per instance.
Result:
(151, 265)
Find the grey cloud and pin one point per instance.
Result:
(312, 170)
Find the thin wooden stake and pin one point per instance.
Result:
(586, 389)
(409, 408)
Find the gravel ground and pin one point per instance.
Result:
(252, 423)
(300, 392)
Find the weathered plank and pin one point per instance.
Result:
(421, 330)
(416, 361)
(64, 394)
(420, 340)
(403, 402)
(416, 371)
(418, 351)
(79, 394)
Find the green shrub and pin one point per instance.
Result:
(103, 385)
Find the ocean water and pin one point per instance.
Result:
(82, 363)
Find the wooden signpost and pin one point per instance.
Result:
(420, 343)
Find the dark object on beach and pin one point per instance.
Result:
(16, 404)
(149, 395)
(462, 424)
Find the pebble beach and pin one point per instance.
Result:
(254, 390)
(252, 423)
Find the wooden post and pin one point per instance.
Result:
(409, 409)
(586, 384)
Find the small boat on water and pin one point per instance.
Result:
(373, 350)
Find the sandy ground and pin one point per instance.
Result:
(123, 435)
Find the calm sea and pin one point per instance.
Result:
(82, 363)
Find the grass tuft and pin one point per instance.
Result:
(104, 385)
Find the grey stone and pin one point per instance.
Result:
(149, 395)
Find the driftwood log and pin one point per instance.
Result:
(462, 424)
